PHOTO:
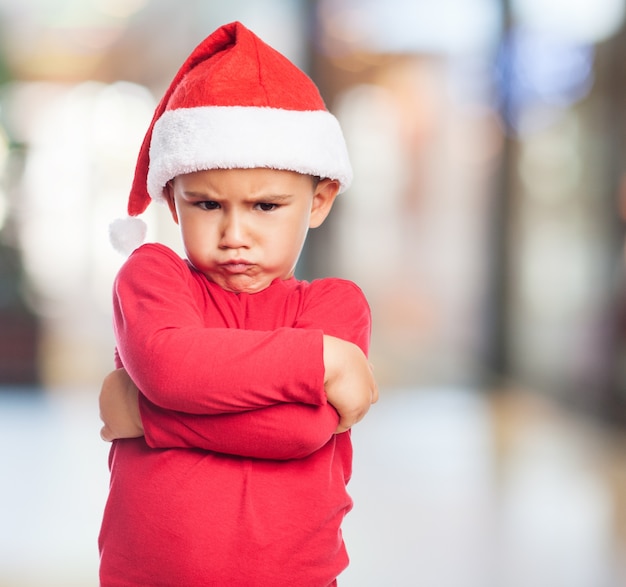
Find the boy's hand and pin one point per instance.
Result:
(348, 381)
(119, 407)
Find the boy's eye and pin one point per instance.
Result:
(266, 206)
(208, 205)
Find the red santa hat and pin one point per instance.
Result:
(235, 103)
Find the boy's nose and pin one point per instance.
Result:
(233, 232)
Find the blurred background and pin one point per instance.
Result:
(485, 225)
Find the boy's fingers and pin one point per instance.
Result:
(348, 420)
(375, 388)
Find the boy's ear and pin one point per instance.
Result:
(169, 196)
(323, 199)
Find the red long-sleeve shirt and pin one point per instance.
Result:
(240, 479)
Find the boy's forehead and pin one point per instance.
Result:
(244, 176)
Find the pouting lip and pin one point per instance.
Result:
(236, 262)
(236, 266)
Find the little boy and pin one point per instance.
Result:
(230, 465)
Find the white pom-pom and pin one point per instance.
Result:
(126, 234)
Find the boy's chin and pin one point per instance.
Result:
(242, 284)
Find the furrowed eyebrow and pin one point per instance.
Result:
(271, 198)
(197, 196)
(192, 196)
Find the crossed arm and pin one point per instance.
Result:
(281, 431)
(292, 424)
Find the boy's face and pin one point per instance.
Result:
(243, 228)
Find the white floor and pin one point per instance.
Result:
(440, 504)
(54, 478)
(445, 496)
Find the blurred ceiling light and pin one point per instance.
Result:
(62, 39)
(119, 8)
(584, 21)
(87, 40)
(540, 75)
(399, 26)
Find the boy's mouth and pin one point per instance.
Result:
(236, 267)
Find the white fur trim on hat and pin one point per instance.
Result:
(226, 137)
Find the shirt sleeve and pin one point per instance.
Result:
(181, 365)
(283, 431)
(339, 308)
(280, 432)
